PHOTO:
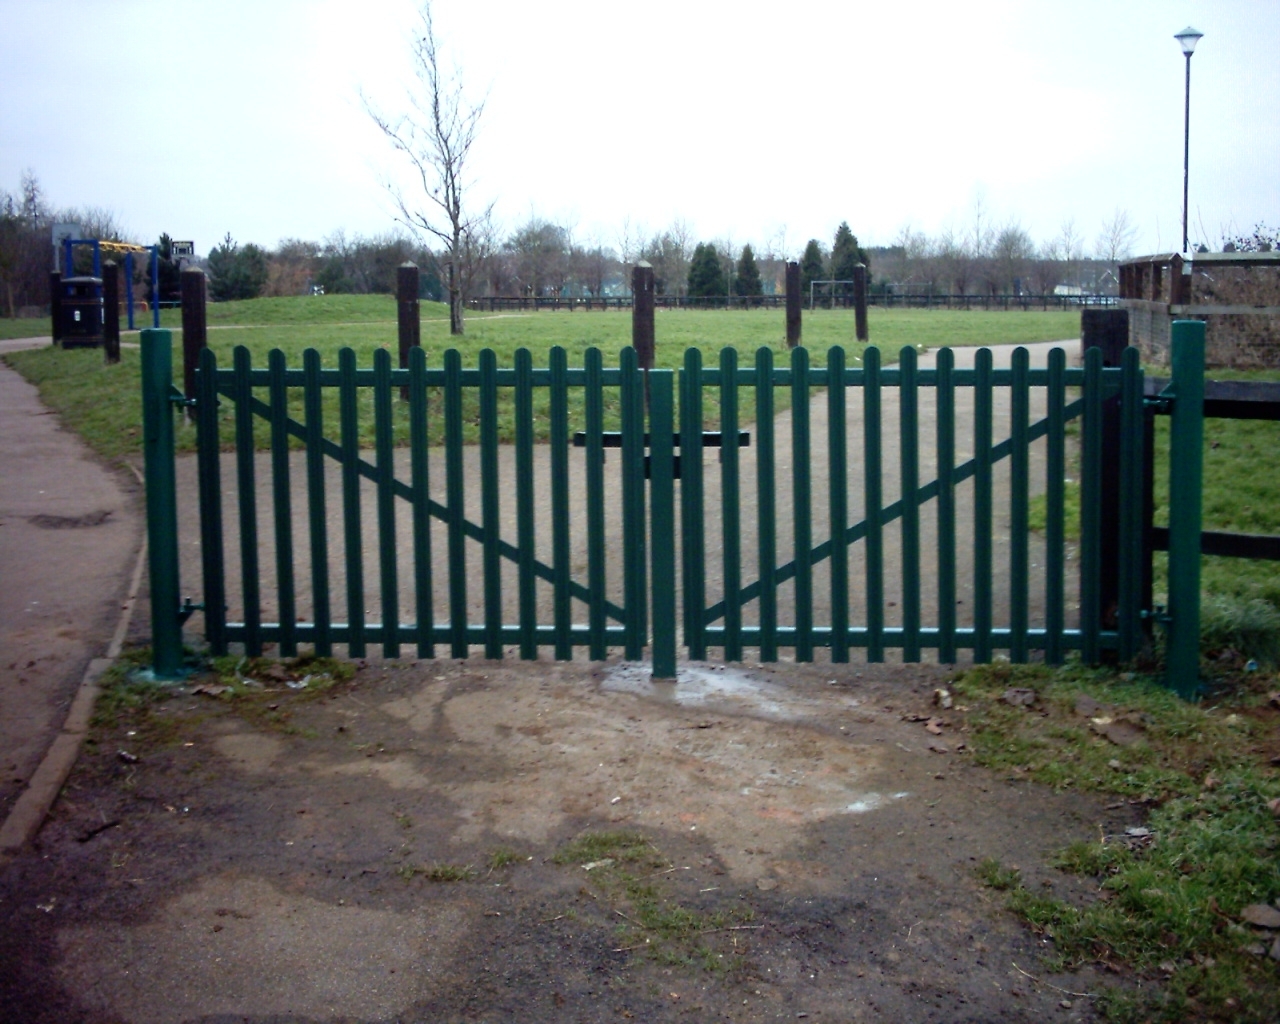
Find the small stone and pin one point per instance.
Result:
(942, 698)
(1087, 707)
(766, 884)
(1261, 915)
(1113, 763)
(1019, 696)
(1066, 1004)
(1275, 950)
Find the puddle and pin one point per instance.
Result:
(725, 688)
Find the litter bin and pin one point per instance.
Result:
(82, 312)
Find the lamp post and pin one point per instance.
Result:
(1187, 38)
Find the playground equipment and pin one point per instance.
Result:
(113, 248)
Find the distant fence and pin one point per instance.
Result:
(522, 303)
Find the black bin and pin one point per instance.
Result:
(82, 312)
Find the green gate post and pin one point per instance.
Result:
(162, 501)
(1182, 660)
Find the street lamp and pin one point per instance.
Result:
(1187, 38)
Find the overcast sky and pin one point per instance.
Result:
(755, 122)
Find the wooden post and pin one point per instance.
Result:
(642, 339)
(793, 304)
(860, 300)
(1108, 329)
(194, 328)
(110, 312)
(408, 321)
(55, 304)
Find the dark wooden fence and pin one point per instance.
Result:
(522, 303)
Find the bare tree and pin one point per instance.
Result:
(436, 136)
(1115, 240)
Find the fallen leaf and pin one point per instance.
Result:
(938, 748)
(1121, 733)
(942, 698)
(1274, 806)
(211, 690)
(1210, 782)
(934, 726)
(1274, 699)
(766, 884)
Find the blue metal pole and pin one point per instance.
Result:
(155, 287)
(128, 285)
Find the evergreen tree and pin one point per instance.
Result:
(846, 254)
(236, 272)
(706, 277)
(813, 266)
(748, 280)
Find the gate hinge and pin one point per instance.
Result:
(1157, 615)
(176, 397)
(187, 609)
(1163, 402)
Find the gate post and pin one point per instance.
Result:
(195, 335)
(662, 543)
(860, 301)
(55, 305)
(1108, 330)
(162, 501)
(1186, 464)
(642, 334)
(408, 320)
(793, 304)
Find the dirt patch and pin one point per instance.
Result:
(395, 849)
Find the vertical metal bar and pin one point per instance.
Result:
(559, 421)
(247, 493)
(909, 471)
(209, 463)
(662, 498)
(802, 500)
(282, 504)
(384, 454)
(593, 400)
(874, 502)
(489, 509)
(766, 506)
(525, 536)
(1186, 441)
(1130, 543)
(352, 534)
(1019, 499)
(455, 497)
(633, 516)
(1055, 507)
(693, 532)
(838, 483)
(162, 502)
(982, 506)
(946, 461)
(730, 506)
(1090, 499)
(317, 524)
(418, 470)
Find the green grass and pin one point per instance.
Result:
(1166, 906)
(26, 327)
(102, 404)
(631, 875)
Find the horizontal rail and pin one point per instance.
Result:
(710, 439)
(1231, 399)
(407, 633)
(1261, 546)
(710, 377)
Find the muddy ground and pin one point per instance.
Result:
(271, 864)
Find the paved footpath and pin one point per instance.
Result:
(70, 530)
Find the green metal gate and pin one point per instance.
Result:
(608, 573)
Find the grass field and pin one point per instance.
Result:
(23, 328)
(101, 402)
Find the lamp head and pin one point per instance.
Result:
(1188, 38)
